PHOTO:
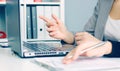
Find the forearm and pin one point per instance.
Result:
(115, 49)
(69, 38)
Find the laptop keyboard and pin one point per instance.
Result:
(46, 47)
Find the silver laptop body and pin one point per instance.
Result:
(43, 49)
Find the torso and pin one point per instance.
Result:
(113, 23)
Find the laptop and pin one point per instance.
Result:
(37, 48)
(34, 48)
(45, 48)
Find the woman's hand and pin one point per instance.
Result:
(57, 29)
(85, 40)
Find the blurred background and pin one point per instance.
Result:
(77, 13)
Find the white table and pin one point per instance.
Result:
(11, 62)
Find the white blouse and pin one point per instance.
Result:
(112, 29)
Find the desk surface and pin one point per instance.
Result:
(10, 62)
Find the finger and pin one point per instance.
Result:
(81, 34)
(52, 34)
(78, 42)
(51, 28)
(78, 38)
(56, 19)
(48, 21)
(67, 59)
(44, 18)
(78, 51)
(73, 55)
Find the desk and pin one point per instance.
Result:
(10, 62)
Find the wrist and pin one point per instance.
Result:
(108, 47)
(68, 37)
